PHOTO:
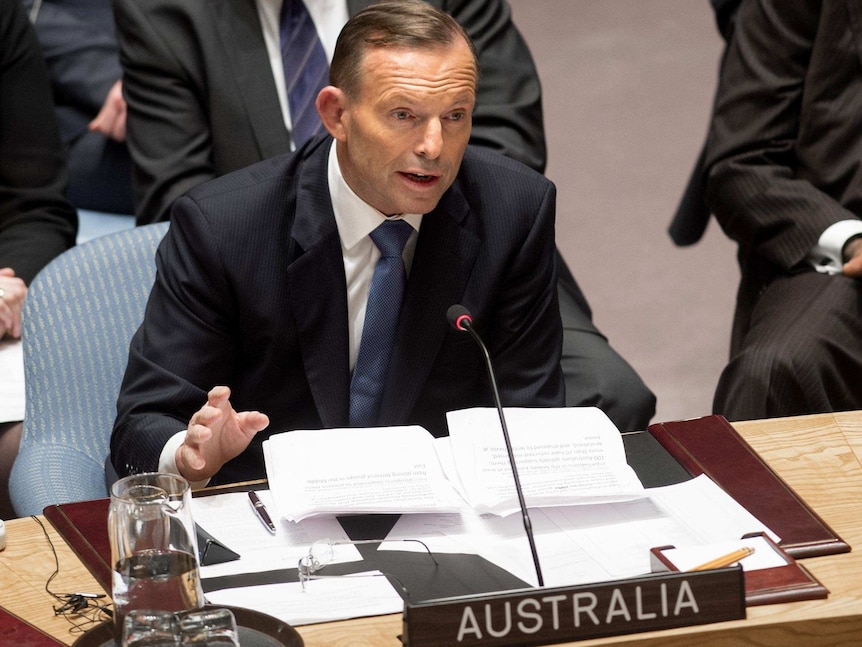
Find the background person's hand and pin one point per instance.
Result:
(111, 120)
(13, 291)
(216, 434)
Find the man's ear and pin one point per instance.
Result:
(331, 106)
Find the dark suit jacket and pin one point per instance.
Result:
(36, 222)
(202, 67)
(82, 55)
(785, 145)
(250, 292)
(692, 215)
(77, 38)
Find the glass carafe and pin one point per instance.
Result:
(153, 545)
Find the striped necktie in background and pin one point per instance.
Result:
(306, 69)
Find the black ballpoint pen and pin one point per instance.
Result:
(260, 511)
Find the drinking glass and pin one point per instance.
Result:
(153, 546)
(145, 628)
(209, 628)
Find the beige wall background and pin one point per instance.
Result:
(628, 86)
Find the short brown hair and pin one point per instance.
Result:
(391, 23)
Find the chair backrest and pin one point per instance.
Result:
(79, 316)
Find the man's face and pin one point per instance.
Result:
(405, 133)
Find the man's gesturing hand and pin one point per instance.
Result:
(216, 434)
(853, 258)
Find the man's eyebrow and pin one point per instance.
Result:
(465, 98)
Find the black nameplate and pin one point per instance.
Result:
(542, 616)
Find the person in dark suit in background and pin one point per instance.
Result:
(36, 221)
(81, 51)
(201, 106)
(691, 217)
(262, 279)
(784, 164)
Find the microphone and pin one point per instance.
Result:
(460, 319)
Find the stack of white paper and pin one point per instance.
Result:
(567, 456)
(564, 456)
(11, 381)
(371, 470)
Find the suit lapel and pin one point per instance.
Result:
(444, 259)
(242, 40)
(318, 295)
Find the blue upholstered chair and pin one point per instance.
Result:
(79, 316)
(92, 224)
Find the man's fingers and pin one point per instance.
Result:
(206, 416)
(7, 321)
(197, 434)
(254, 420)
(191, 458)
(853, 268)
(251, 422)
(218, 396)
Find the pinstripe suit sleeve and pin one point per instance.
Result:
(771, 157)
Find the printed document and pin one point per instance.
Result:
(11, 380)
(588, 543)
(370, 470)
(576, 545)
(564, 456)
(231, 520)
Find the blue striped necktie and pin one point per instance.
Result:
(381, 320)
(306, 70)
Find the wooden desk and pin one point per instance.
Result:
(819, 456)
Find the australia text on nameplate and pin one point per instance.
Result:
(544, 616)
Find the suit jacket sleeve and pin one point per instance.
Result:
(768, 154)
(508, 114)
(81, 53)
(36, 221)
(168, 128)
(526, 330)
(162, 384)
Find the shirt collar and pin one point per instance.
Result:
(355, 218)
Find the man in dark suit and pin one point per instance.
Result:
(262, 278)
(691, 217)
(82, 55)
(204, 68)
(785, 182)
(202, 102)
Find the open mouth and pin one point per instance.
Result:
(420, 177)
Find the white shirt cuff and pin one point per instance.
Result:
(168, 459)
(826, 255)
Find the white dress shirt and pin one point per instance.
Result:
(826, 257)
(356, 220)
